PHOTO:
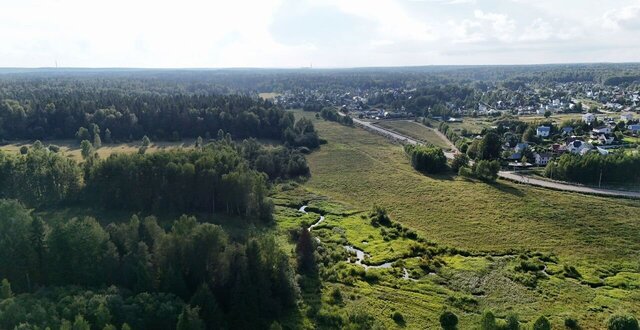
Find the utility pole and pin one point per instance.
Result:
(600, 180)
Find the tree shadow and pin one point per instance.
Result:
(508, 189)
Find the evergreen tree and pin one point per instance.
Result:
(305, 252)
(146, 141)
(80, 323)
(189, 319)
(107, 136)
(97, 142)
(542, 323)
(5, 289)
(209, 310)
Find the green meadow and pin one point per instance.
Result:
(466, 246)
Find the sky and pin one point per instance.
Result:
(318, 33)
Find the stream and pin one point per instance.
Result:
(360, 255)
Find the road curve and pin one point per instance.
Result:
(508, 175)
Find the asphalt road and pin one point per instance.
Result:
(508, 175)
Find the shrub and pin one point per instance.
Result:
(622, 322)
(448, 320)
(24, 150)
(459, 161)
(512, 322)
(571, 323)
(397, 317)
(428, 159)
(486, 170)
(488, 321)
(542, 324)
(54, 148)
(335, 296)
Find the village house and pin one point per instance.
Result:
(543, 131)
(634, 128)
(625, 117)
(579, 147)
(602, 130)
(567, 130)
(542, 159)
(588, 118)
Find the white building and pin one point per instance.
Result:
(625, 117)
(588, 118)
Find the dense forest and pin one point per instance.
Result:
(125, 110)
(146, 277)
(78, 273)
(222, 176)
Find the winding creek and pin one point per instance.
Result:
(359, 254)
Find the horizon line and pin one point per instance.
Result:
(303, 67)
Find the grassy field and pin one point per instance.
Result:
(472, 125)
(71, 148)
(414, 130)
(504, 224)
(268, 96)
(556, 118)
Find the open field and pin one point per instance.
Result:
(472, 125)
(598, 236)
(556, 118)
(414, 130)
(71, 148)
(268, 96)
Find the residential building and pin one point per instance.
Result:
(542, 158)
(588, 118)
(602, 130)
(543, 131)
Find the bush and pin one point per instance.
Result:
(54, 148)
(622, 322)
(427, 159)
(512, 322)
(335, 296)
(397, 317)
(24, 150)
(542, 324)
(459, 161)
(486, 170)
(488, 321)
(571, 323)
(448, 320)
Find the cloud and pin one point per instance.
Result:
(627, 18)
(329, 33)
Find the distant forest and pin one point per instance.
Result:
(60, 107)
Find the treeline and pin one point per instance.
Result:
(331, 114)
(222, 176)
(40, 177)
(593, 168)
(192, 273)
(51, 109)
(428, 159)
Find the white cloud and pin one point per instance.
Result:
(217, 33)
(623, 18)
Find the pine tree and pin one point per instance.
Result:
(189, 319)
(97, 142)
(305, 250)
(107, 136)
(5, 289)
(210, 312)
